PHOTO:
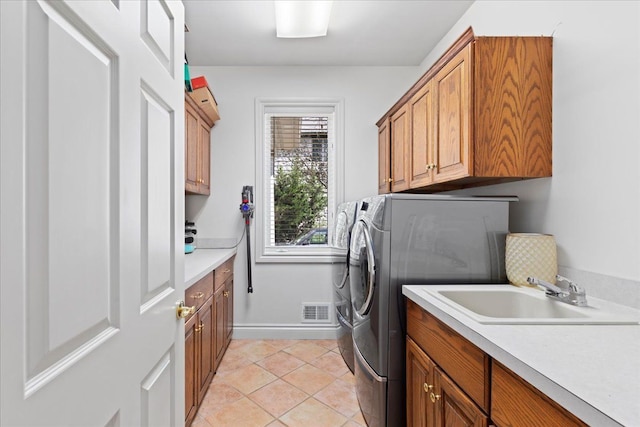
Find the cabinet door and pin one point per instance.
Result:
(190, 367)
(508, 391)
(452, 88)
(420, 374)
(191, 147)
(422, 137)
(453, 407)
(220, 335)
(384, 158)
(206, 334)
(204, 158)
(400, 149)
(228, 310)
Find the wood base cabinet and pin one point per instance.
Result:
(191, 356)
(509, 391)
(199, 362)
(223, 300)
(433, 399)
(228, 309)
(207, 333)
(480, 115)
(451, 382)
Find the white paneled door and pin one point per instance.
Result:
(92, 195)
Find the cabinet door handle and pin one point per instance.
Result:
(198, 295)
(434, 397)
(427, 387)
(389, 180)
(225, 294)
(227, 271)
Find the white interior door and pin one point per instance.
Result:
(92, 199)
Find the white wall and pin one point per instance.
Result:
(274, 309)
(592, 203)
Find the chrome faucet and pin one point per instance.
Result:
(565, 291)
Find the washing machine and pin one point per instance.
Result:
(404, 239)
(340, 240)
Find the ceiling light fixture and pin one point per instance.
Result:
(302, 18)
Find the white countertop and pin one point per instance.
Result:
(591, 370)
(201, 262)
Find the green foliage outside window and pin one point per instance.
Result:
(300, 199)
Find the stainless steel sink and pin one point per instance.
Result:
(506, 304)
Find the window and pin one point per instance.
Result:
(298, 168)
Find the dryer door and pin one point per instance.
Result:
(363, 270)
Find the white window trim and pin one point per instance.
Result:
(265, 253)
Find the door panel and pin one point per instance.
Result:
(420, 376)
(62, 163)
(220, 334)
(157, 27)
(92, 194)
(157, 122)
(453, 407)
(422, 137)
(384, 158)
(156, 390)
(452, 89)
(400, 150)
(228, 310)
(191, 358)
(191, 149)
(207, 339)
(204, 170)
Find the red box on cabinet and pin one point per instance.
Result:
(198, 82)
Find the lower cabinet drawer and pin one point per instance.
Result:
(224, 272)
(514, 402)
(199, 292)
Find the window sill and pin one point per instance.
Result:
(298, 257)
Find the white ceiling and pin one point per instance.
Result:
(361, 32)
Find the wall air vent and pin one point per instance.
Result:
(315, 313)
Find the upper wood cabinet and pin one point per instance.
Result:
(384, 157)
(191, 128)
(400, 139)
(452, 144)
(422, 141)
(197, 170)
(481, 115)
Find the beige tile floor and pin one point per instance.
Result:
(294, 383)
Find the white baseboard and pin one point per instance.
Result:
(286, 332)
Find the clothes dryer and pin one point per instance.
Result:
(340, 240)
